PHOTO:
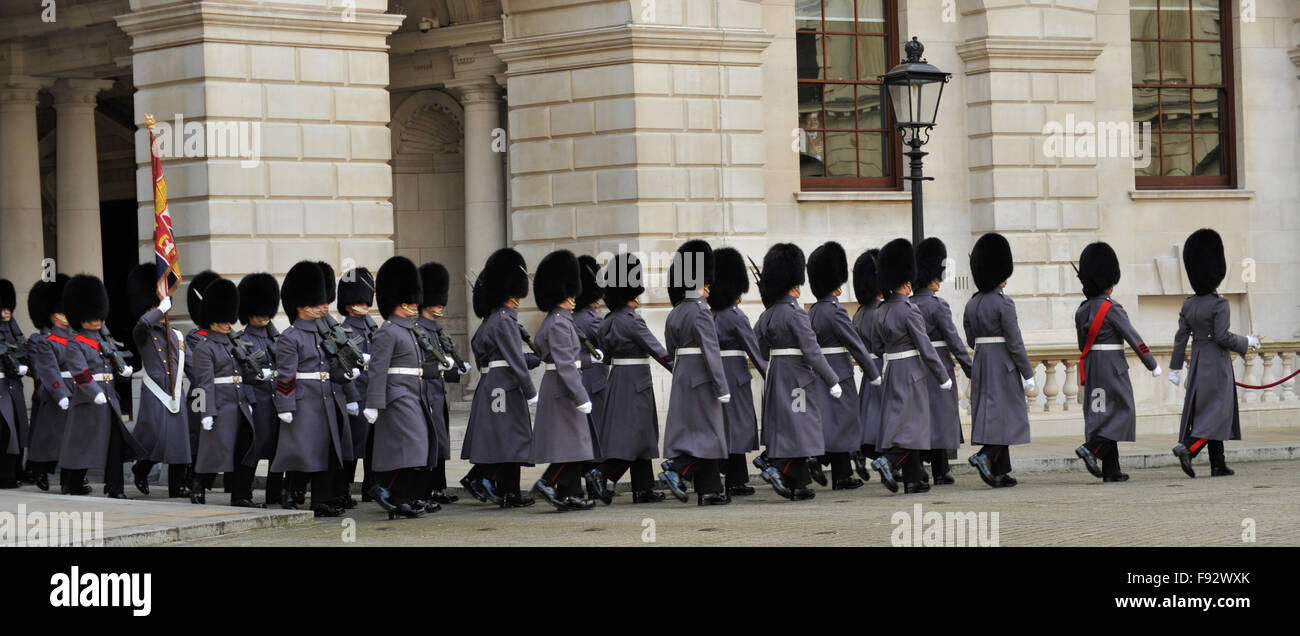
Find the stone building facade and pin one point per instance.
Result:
(444, 129)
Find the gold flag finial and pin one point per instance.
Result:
(149, 121)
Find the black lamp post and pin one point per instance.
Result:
(914, 88)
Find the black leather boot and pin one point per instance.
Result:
(1089, 461)
(648, 496)
(1184, 456)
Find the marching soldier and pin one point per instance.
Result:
(53, 393)
(792, 424)
(945, 418)
(739, 347)
(695, 434)
(436, 282)
(594, 370)
(160, 421)
(227, 434)
(1210, 404)
(499, 436)
(842, 426)
(405, 428)
(344, 475)
(356, 293)
(564, 436)
(194, 305)
(869, 299)
(97, 437)
(1110, 415)
(1000, 371)
(13, 404)
(629, 427)
(311, 413)
(898, 333)
(259, 301)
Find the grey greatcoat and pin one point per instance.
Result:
(999, 369)
(192, 340)
(739, 346)
(868, 393)
(355, 391)
(792, 423)
(562, 432)
(695, 426)
(261, 394)
(226, 403)
(500, 429)
(406, 433)
(842, 425)
(1108, 407)
(1210, 405)
(435, 390)
(46, 351)
(594, 374)
(313, 442)
(161, 432)
(86, 436)
(904, 395)
(629, 429)
(13, 403)
(945, 418)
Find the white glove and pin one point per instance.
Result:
(166, 304)
(879, 379)
(22, 369)
(127, 371)
(1029, 385)
(354, 408)
(207, 423)
(287, 418)
(365, 358)
(100, 398)
(585, 407)
(1252, 341)
(599, 356)
(371, 415)
(533, 400)
(836, 391)
(446, 366)
(724, 398)
(1176, 377)
(947, 385)
(464, 368)
(353, 373)
(264, 374)
(1155, 373)
(63, 403)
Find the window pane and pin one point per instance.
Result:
(873, 57)
(1176, 152)
(1177, 57)
(839, 63)
(808, 15)
(870, 107)
(1146, 103)
(839, 106)
(1209, 158)
(811, 151)
(1207, 107)
(1208, 59)
(1152, 169)
(873, 153)
(841, 154)
(1175, 20)
(1175, 110)
(1146, 63)
(839, 15)
(871, 16)
(1205, 19)
(1142, 19)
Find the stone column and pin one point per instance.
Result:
(485, 220)
(20, 188)
(78, 176)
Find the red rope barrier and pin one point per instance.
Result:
(1268, 386)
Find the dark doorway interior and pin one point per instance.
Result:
(118, 234)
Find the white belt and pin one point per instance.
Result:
(102, 377)
(406, 371)
(899, 355)
(785, 352)
(172, 402)
(874, 356)
(228, 379)
(689, 351)
(2, 375)
(550, 366)
(1108, 347)
(733, 353)
(829, 350)
(320, 376)
(66, 374)
(627, 362)
(495, 364)
(938, 343)
(990, 340)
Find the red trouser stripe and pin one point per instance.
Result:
(1198, 444)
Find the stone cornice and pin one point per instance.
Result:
(987, 55)
(208, 21)
(634, 43)
(446, 37)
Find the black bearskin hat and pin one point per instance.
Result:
(558, 278)
(327, 271)
(46, 299)
(304, 286)
(730, 278)
(895, 265)
(220, 302)
(194, 294)
(8, 296)
(359, 290)
(436, 281)
(141, 289)
(783, 267)
(990, 261)
(1098, 269)
(865, 286)
(623, 280)
(259, 295)
(590, 286)
(828, 269)
(398, 283)
(930, 255)
(84, 300)
(1203, 257)
(689, 271)
(504, 276)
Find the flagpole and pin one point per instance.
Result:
(167, 320)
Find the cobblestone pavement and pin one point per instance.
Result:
(1157, 507)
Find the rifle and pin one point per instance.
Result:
(426, 345)
(758, 273)
(273, 335)
(248, 358)
(450, 347)
(110, 348)
(343, 350)
(14, 355)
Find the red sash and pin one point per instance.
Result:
(87, 341)
(1093, 329)
(57, 338)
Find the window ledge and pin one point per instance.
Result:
(853, 195)
(1193, 195)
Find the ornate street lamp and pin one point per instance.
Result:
(914, 89)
